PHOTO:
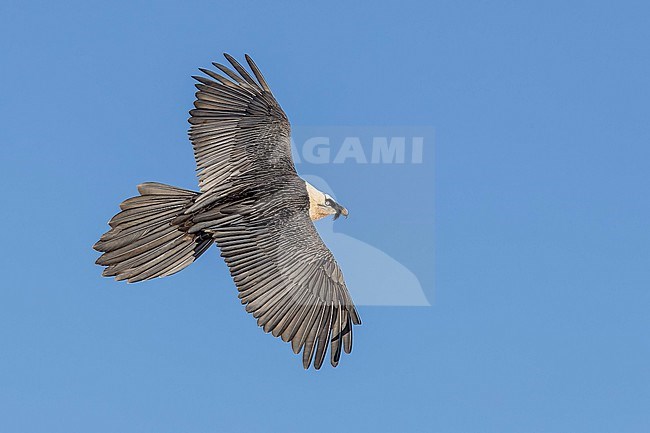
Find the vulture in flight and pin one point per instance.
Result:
(255, 207)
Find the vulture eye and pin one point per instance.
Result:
(328, 202)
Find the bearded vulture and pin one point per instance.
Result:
(255, 207)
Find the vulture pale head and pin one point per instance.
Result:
(322, 204)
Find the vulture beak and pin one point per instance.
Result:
(340, 210)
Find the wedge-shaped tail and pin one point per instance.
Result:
(143, 243)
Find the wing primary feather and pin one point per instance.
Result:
(258, 73)
(324, 337)
(240, 69)
(335, 346)
(302, 327)
(310, 341)
(347, 335)
(220, 78)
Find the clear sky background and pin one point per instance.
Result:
(540, 295)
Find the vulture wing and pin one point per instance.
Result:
(286, 276)
(238, 128)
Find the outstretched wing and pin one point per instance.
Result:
(238, 128)
(286, 276)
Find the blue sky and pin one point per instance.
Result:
(539, 283)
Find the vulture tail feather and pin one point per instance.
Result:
(143, 241)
